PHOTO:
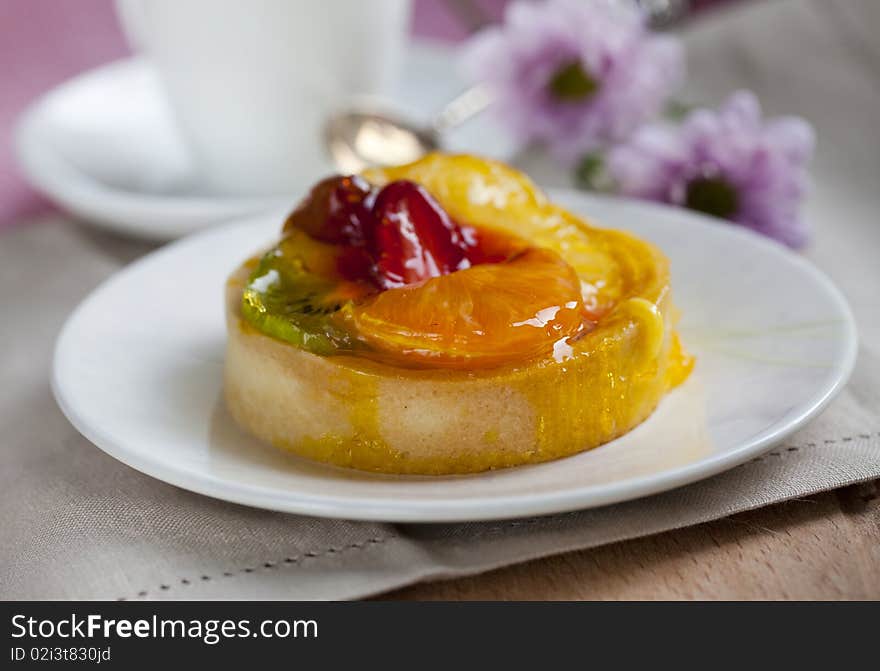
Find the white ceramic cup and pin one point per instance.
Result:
(251, 82)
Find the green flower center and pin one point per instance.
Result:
(571, 83)
(712, 195)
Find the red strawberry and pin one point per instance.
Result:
(411, 238)
(336, 211)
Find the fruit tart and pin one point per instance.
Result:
(444, 317)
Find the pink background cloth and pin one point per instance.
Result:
(44, 42)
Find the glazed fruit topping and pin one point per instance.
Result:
(412, 238)
(336, 211)
(391, 237)
(489, 314)
(363, 268)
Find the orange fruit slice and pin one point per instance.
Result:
(485, 315)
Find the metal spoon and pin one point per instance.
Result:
(366, 135)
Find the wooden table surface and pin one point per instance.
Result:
(826, 546)
(819, 58)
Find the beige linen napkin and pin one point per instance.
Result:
(74, 523)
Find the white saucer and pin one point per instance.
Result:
(138, 370)
(104, 147)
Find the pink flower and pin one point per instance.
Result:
(729, 163)
(574, 74)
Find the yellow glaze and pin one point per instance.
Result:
(354, 412)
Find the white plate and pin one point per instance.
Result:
(138, 370)
(104, 147)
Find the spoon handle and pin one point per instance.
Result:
(467, 104)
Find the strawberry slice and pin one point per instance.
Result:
(336, 211)
(412, 239)
(392, 237)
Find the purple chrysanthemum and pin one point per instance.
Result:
(729, 163)
(574, 74)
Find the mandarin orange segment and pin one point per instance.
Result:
(486, 315)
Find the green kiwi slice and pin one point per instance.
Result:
(286, 299)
